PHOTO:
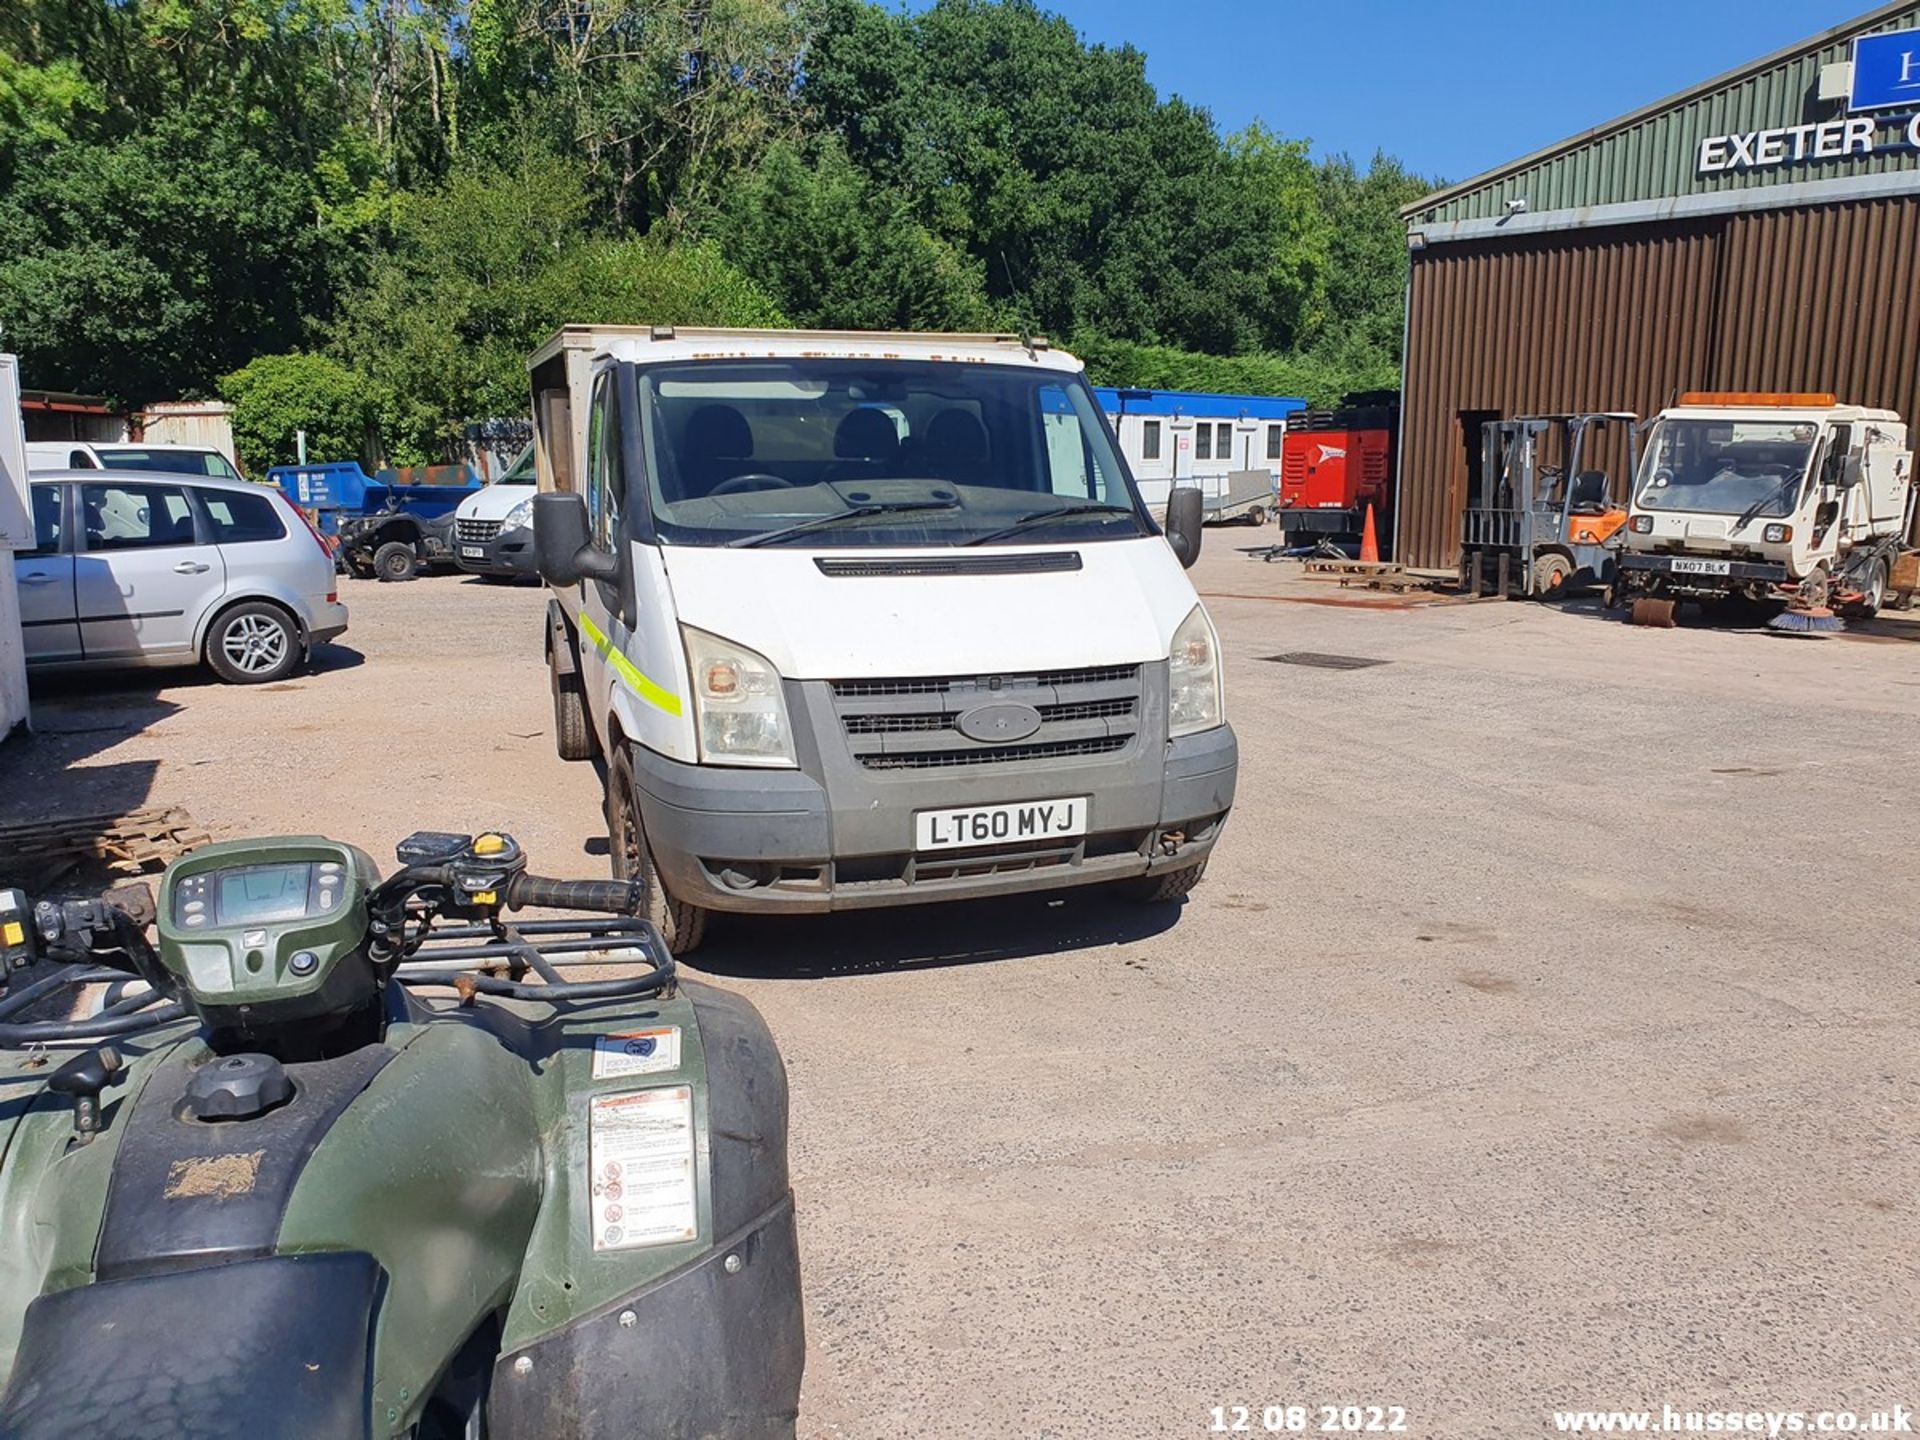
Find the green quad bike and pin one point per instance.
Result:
(320, 1165)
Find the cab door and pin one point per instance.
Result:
(603, 630)
(144, 576)
(49, 619)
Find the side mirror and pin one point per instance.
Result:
(561, 547)
(1184, 516)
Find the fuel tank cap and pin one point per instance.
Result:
(238, 1087)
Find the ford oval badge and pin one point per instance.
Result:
(999, 723)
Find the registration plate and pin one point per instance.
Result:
(474, 552)
(1701, 567)
(999, 824)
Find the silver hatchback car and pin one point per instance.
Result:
(157, 569)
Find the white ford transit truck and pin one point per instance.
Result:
(868, 619)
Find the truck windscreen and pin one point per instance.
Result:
(1726, 467)
(825, 452)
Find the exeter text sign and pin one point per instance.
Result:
(1855, 136)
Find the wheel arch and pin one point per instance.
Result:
(231, 600)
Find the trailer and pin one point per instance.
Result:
(1228, 447)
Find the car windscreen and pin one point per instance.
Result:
(827, 452)
(1726, 467)
(170, 462)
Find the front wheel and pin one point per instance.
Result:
(1166, 887)
(395, 560)
(253, 643)
(683, 926)
(1550, 575)
(1873, 594)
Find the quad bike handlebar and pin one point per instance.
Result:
(402, 938)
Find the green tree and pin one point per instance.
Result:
(276, 396)
(146, 266)
(484, 267)
(841, 251)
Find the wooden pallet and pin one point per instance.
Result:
(129, 844)
(1374, 574)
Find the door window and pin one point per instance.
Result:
(238, 517)
(1150, 440)
(605, 476)
(1072, 467)
(47, 523)
(135, 517)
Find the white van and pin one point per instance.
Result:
(47, 455)
(868, 619)
(493, 527)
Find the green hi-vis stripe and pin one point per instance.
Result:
(648, 691)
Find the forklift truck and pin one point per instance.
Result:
(1542, 522)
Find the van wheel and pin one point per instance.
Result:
(683, 926)
(395, 561)
(1165, 888)
(572, 732)
(252, 644)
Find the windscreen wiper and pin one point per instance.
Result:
(1754, 509)
(1057, 512)
(821, 522)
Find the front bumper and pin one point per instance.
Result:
(1641, 571)
(509, 552)
(771, 841)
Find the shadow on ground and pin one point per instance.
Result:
(963, 932)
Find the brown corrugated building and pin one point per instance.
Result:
(1758, 232)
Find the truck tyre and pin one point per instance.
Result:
(572, 731)
(253, 643)
(1166, 887)
(395, 561)
(1550, 575)
(683, 926)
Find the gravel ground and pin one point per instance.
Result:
(1541, 1039)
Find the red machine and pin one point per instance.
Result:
(1335, 464)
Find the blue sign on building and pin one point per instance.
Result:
(1886, 71)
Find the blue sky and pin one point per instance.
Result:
(1452, 87)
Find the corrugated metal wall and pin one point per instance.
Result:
(1822, 298)
(1654, 154)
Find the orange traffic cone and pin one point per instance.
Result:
(1369, 542)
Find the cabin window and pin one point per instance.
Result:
(1203, 441)
(1223, 441)
(1150, 440)
(1276, 441)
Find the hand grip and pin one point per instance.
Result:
(606, 897)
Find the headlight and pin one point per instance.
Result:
(1777, 534)
(1195, 701)
(739, 712)
(519, 517)
(1642, 524)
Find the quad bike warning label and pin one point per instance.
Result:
(640, 1146)
(636, 1052)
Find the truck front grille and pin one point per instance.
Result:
(476, 532)
(912, 724)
